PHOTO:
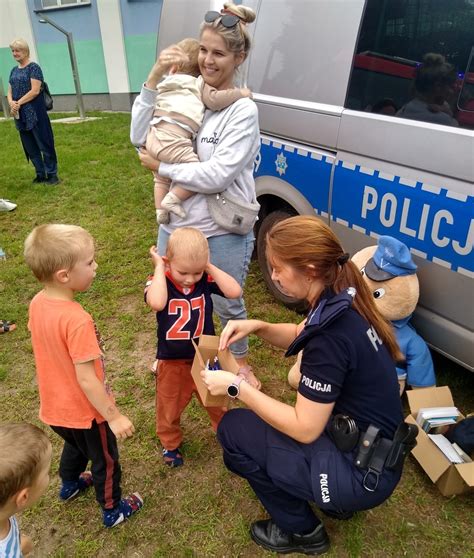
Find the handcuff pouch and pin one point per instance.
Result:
(344, 432)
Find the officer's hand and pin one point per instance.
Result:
(235, 330)
(217, 381)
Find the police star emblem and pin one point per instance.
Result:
(281, 164)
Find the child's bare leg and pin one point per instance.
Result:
(26, 544)
(160, 190)
(173, 200)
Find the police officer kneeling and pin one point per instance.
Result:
(343, 443)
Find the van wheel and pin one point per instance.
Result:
(268, 222)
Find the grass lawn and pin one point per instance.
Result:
(200, 509)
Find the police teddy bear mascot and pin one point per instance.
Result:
(390, 273)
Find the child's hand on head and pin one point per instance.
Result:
(156, 259)
(172, 55)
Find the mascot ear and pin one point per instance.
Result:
(361, 257)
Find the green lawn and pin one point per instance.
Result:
(200, 509)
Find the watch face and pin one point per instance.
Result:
(233, 390)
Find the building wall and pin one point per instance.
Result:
(141, 19)
(115, 43)
(53, 56)
(14, 23)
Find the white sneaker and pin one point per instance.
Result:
(7, 205)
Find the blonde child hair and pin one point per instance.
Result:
(191, 48)
(24, 447)
(20, 44)
(49, 248)
(189, 243)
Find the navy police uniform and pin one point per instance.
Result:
(345, 362)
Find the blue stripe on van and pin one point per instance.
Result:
(435, 223)
(307, 171)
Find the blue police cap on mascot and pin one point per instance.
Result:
(391, 259)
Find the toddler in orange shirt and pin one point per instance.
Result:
(74, 398)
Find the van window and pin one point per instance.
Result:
(411, 61)
(297, 52)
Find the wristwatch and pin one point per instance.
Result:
(233, 390)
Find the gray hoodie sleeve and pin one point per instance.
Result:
(142, 113)
(222, 163)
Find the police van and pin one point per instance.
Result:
(330, 80)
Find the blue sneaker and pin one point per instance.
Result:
(127, 507)
(71, 489)
(173, 458)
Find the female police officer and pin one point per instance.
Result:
(336, 445)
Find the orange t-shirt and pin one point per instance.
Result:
(63, 334)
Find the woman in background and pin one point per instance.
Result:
(29, 111)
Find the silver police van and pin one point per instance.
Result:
(350, 132)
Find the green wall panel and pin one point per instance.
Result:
(6, 64)
(55, 63)
(141, 52)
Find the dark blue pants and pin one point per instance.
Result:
(99, 445)
(41, 154)
(286, 475)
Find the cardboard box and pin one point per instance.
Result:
(207, 350)
(448, 477)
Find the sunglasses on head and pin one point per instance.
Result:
(227, 20)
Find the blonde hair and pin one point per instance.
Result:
(236, 39)
(191, 48)
(49, 248)
(22, 457)
(20, 44)
(307, 244)
(188, 243)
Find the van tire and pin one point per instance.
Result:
(267, 223)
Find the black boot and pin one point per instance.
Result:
(39, 178)
(53, 180)
(267, 534)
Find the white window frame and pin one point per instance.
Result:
(59, 4)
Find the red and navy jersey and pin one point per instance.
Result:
(187, 315)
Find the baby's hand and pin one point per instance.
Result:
(156, 259)
(172, 55)
(246, 92)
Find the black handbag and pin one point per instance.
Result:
(48, 100)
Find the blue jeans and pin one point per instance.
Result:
(231, 253)
(44, 160)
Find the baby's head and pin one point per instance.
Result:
(187, 255)
(53, 251)
(191, 66)
(25, 460)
